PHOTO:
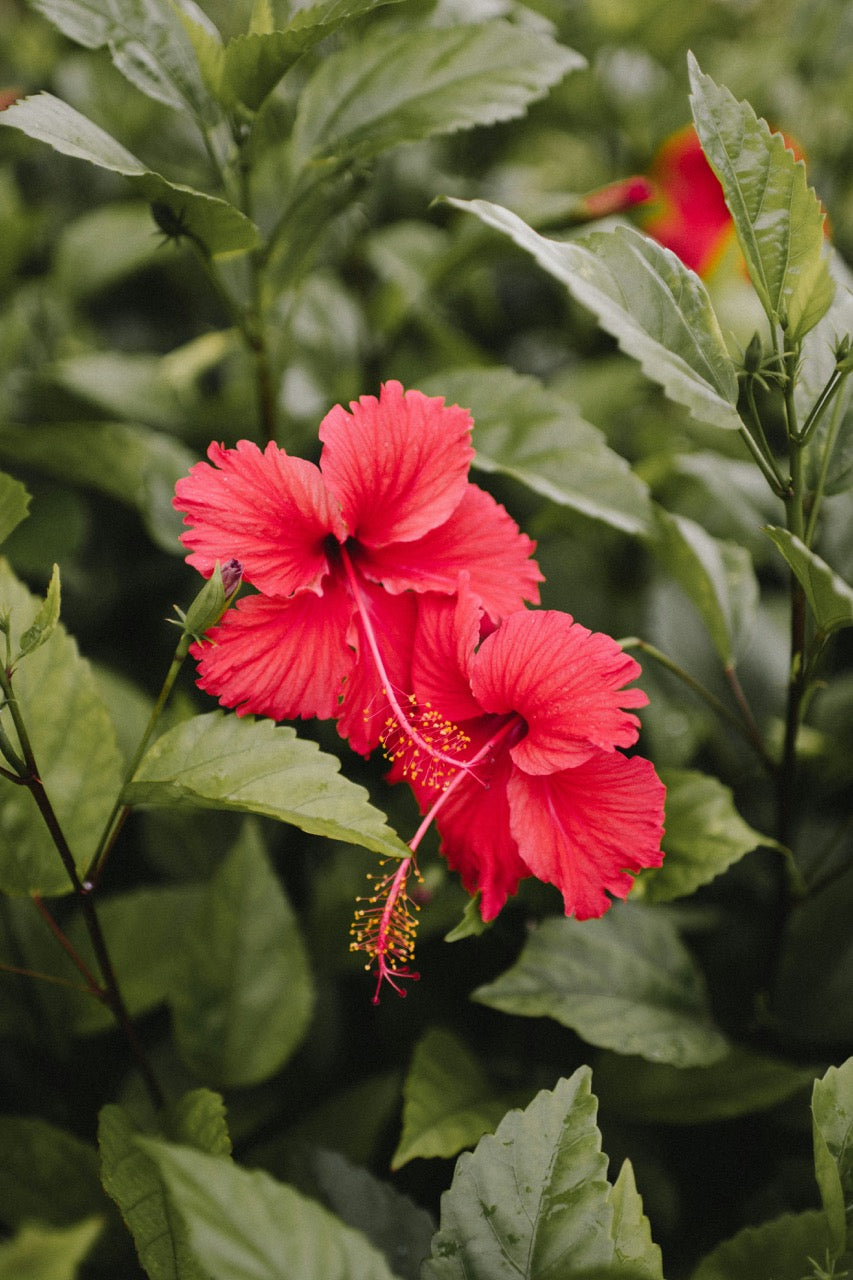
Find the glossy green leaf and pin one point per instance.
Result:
(133, 464)
(830, 597)
(705, 834)
(777, 1250)
(141, 928)
(388, 89)
(717, 576)
(635, 1255)
(47, 616)
(389, 1219)
(46, 1174)
(14, 504)
(75, 750)
(38, 1252)
(657, 1093)
(218, 226)
(243, 1225)
(448, 1103)
(226, 762)
(133, 1181)
(832, 1115)
(777, 217)
(624, 982)
(532, 1200)
(147, 42)
(253, 63)
(658, 311)
(242, 995)
(525, 431)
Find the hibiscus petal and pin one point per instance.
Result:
(448, 632)
(267, 510)
(280, 658)
(397, 465)
(481, 538)
(586, 829)
(565, 682)
(365, 709)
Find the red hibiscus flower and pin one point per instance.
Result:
(336, 553)
(542, 789)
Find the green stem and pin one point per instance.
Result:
(795, 520)
(833, 386)
(120, 811)
(820, 488)
(759, 446)
(746, 727)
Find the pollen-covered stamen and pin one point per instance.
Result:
(428, 747)
(384, 927)
(432, 744)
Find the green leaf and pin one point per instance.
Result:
(140, 928)
(636, 1256)
(718, 577)
(75, 749)
(658, 310)
(46, 1174)
(657, 1093)
(218, 226)
(198, 1119)
(148, 44)
(243, 1225)
(242, 994)
(14, 504)
(527, 432)
(47, 616)
(624, 982)
(48, 1253)
(705, 834)
(830, 597)
(777, 1250)
(388, 89)
(133, 1181)
(135, 465)
(777, 217)
(532, 1200)
(832, 1114)
(225, 762)
(254, 63)
(448, 1103)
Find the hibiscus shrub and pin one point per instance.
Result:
(516, 554)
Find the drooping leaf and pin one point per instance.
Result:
(225, 762)
(389, 1219)
(777, 217)
(133, 464)
(777, 1250)
(46, 1174)
(243, 1225)
(705, 834)
(220, 227)
(133, 1181)
(141, 928)
(38, 1252)
(75, 750)
(448, 1102)
(14, 504)
(532, 1200)
(658, 1093)
(253, 63)
(148, 44)
(525, 431)
(242, 993)
(658, 310)
(624, 982)
(635, 1255)
(832, 1116)
(387, 89)
(717, 576)
(47, 616)
(830, 597)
